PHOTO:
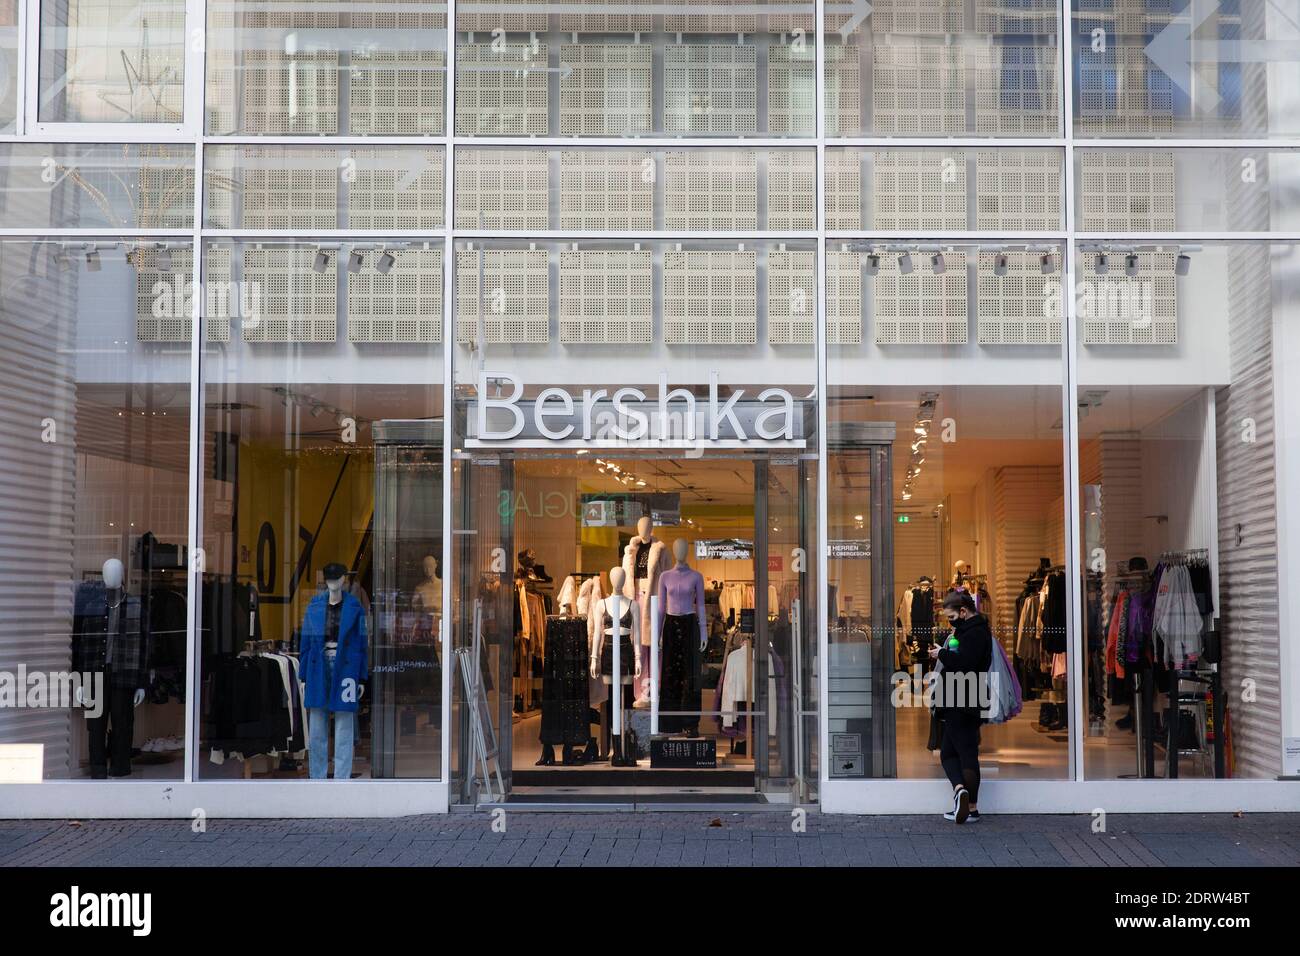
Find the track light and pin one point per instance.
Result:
(1131, 264)
(905, 263)
(355, 261)
(1000, 264)
(165, 259)
(1048, 264)
(92, 260)
(1102, 265)
(873, 264)
(385, 263)
(1183, 264)
(321, 262)
(937, 263)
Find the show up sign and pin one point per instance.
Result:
(629, 417)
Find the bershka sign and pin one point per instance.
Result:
(629, 417)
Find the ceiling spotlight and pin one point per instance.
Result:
(321, 262)
(1183, 264)
(165, 259)
(907, 496)
(937, 263)
(1048, 264)
(857, 518)
(1102, 264)
(92, 260)
(905, 263)
(999, 265)
(385, 262)
(1131, 264)
(355, 261)
(873, 264)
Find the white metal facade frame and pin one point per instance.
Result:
(1074, 793)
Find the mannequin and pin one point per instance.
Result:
(428, 593)
(110, 645)
(333, 665)
(644, 559)
(602, 630)
(683, 633)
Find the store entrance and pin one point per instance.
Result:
(726, 712)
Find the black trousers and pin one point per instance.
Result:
(681, 673)
(960, 752)
(111, 732)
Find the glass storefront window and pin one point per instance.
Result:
(1215, 69)
(523, 70)
(1176, 455)
(903, 68)
(296, 67)
(75, 186)
(95, 452)
(9, 47)
(945, 473)
(112, 61)
(322, 488)
(321, 188)
(637, 415)
(1186, 190)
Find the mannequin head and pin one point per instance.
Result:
(645, 527)
(681, 548)
(336, 576)
(113, 573)
(617, 579)
(430, 567)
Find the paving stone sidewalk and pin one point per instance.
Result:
(662, 839)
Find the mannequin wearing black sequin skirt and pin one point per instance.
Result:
(680, 689)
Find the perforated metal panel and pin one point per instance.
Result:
(917, 17)
(1018, 189)
(712, 190)
(710, 88)
(918, 89)
(1015, 89)
(607, 190)
(509, 15)
(607, 297)
(397, 93)
(791, 90)
(1120, 92)
(710, 297)
(502, 189)
(791, 189)
(843, 189)
(166, 196)
(162, 298)
(1016, 308)
(791, 297)
(501, 93)
(843, 297)
(281, 189)
(1124, 18)
(509, 290)
(606, 91)
(607, 22)
(710, 22)
(402, 305)
(843, 89)
(1127, 191)
(289, 93)
(920, 308)
(1117, 309)
(922, 189)
(297, 304)
(1023, 18)
(396, 189)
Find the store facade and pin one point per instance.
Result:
(360, 426)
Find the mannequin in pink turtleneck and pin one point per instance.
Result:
(683, 632)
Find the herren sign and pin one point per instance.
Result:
(629, 417)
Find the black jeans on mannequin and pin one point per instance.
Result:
(112, 731)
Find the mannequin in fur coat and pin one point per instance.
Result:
(641, 588)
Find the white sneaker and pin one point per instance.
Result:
(960, 811)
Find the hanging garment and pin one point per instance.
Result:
(735, 684)
(564, 682)
(681, 685)
(1176, 617)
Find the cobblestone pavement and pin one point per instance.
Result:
(662, 839)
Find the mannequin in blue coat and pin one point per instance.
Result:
(333, 666)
